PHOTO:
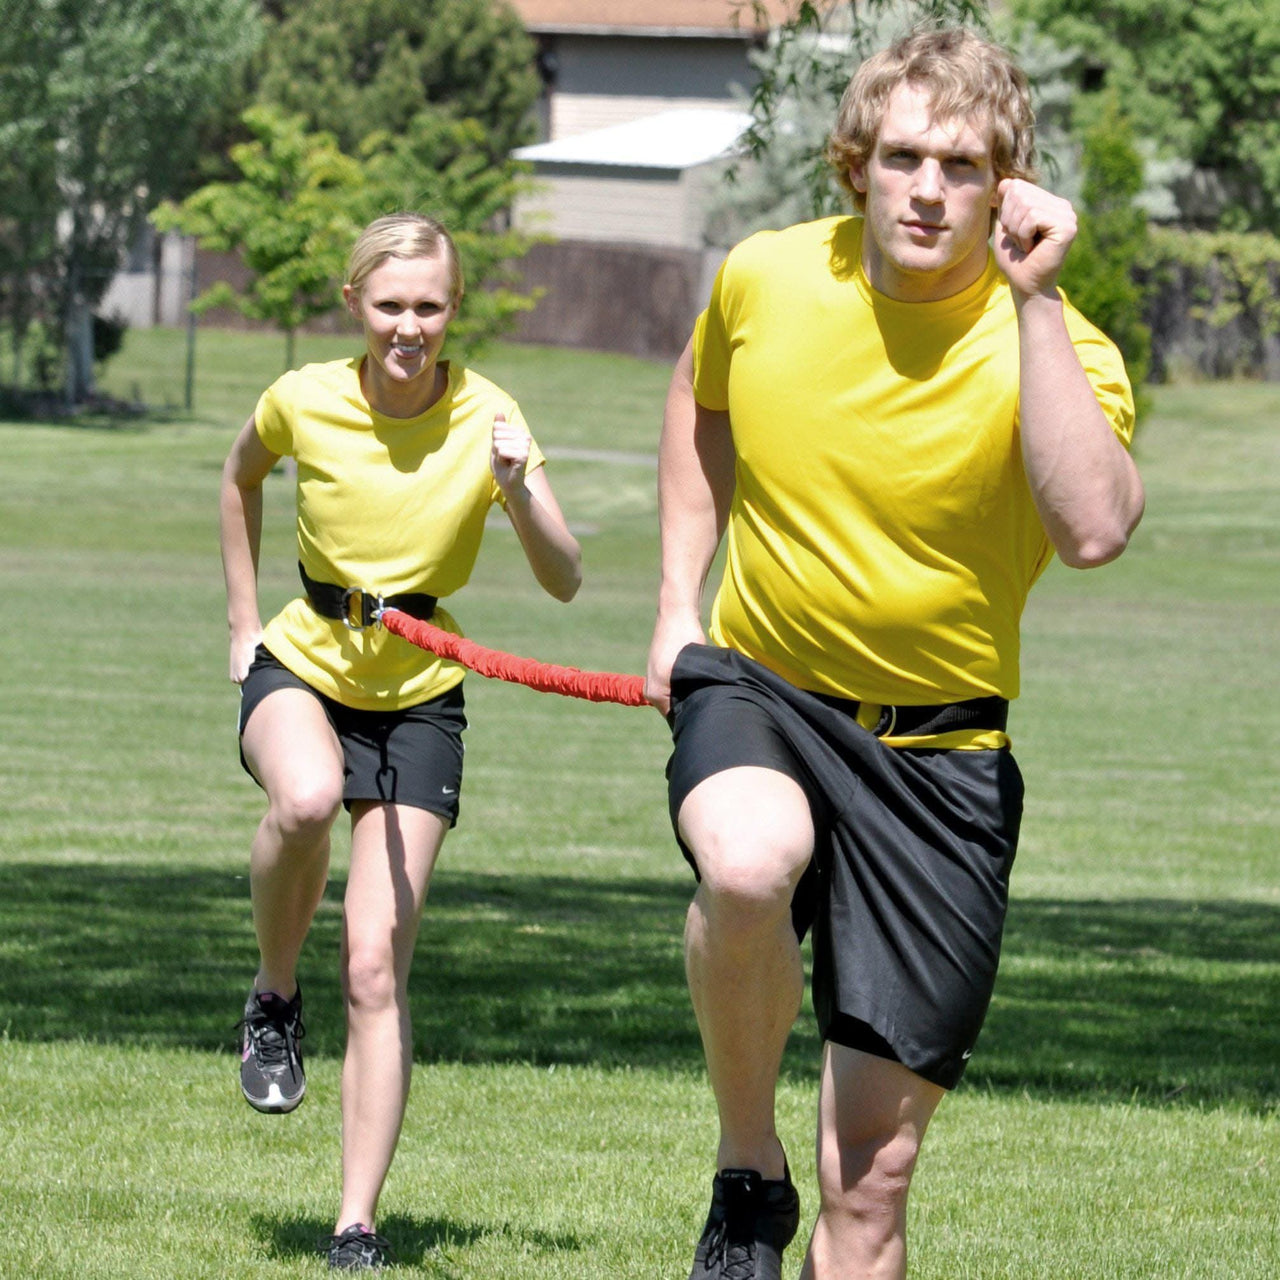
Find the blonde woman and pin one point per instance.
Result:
(400, 454)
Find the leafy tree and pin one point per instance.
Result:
(357, 67)
(101, 104)
(299, 202)
(439, 166)
(1203, 76)
(291, 216)
(803, 73)
(1112, 237)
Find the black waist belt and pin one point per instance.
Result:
(919, 722)
(359, 607)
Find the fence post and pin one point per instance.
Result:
(190, 393)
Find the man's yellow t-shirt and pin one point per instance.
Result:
(393, 505)
(883, 536)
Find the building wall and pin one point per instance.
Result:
(573, 114)
(605, 80)
(609, 203)
(156, 288)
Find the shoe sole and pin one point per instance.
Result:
(272, 1107)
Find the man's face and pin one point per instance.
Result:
(930, 188)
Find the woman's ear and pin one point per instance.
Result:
(352, 299)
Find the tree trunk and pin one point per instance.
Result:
(78, 340)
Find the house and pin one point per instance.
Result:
(643, 107)
(605, 62)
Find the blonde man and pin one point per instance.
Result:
(896, 419)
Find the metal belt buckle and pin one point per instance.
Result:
(368, 616)
(887, 722)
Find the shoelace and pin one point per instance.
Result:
(736, 1258)
(272, 1046)
(358, 1245)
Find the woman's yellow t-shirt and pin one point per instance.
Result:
(389, 504)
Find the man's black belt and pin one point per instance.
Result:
(359, 607)
(920, 722)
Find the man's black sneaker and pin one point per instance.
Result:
(357, 1249)
(271, 1075)
(751, 1222)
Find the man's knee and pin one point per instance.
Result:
(748, 882)
(751, 835)
(867, 1183)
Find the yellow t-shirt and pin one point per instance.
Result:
(390, 504)
(883, 536)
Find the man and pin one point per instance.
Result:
(898, 420)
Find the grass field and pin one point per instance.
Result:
(1120, 1118)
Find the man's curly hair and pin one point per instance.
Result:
(966, 77)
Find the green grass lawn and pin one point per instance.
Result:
(1120, 1116)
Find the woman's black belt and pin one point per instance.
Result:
(359, 607)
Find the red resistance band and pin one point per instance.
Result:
(594, 686)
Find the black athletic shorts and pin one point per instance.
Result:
(907, 890)
(412, 756)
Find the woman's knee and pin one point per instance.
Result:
(370, 980)
(304, 811)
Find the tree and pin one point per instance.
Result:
(357, 67)
(803, 73)
(1203, 76)
(102, 100)
(291, 216)
(299, 202)
(1111, 238)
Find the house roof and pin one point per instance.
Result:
(677, 139)
(649, 17)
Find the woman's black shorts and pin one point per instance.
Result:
(908, 887)
(412, 756)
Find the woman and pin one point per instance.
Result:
(399, 456)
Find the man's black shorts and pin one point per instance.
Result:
(412, 756)
(908, 887)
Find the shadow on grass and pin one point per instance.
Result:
(49, 409)
(412, 1238)
(1151, 998)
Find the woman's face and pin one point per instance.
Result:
(405, 307)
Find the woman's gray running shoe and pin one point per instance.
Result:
(356, 1249)
(271, 1075)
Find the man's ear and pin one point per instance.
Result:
(858, 176)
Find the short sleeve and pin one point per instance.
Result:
(1104, 367)
(273, 416)
(711, 348)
